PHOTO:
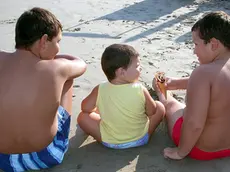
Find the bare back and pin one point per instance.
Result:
(216, 133)
(30, 94)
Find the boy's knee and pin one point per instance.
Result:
(79, 116)
(160, 107)
(82, 117)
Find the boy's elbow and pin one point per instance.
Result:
(82, 67)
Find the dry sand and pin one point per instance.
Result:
(159, 30)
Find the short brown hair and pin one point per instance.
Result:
(33, 24)
(214, 25)
(116, 56)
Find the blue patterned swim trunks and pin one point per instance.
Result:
(50, 156)
(142, 141)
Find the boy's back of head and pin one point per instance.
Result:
(214, 25)
(33, 24)
(117, 56)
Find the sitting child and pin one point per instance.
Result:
(120, 113)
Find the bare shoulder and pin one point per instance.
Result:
(4, 54)
(202, 73)
(68, 66)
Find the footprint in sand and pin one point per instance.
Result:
(195, 64)
(76, 86)
(184, 73)
(151, 64)
(88, 61)
(10, 21)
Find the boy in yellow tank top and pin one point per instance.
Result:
(120, 113)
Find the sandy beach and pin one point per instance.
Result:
(159, 30)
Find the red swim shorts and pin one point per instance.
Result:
(196, 153)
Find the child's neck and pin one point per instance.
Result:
(223, 55)
(118, 81)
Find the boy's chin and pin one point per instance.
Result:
(136, 80)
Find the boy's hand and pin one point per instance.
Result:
(158, 91)
(172, 153)
(171, 83)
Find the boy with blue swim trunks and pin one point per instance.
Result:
(36, 95)
(120, 113)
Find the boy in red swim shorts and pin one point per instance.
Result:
(200, 128)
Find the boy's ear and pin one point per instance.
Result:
(214, 44)
(43, 41)
(119, 72)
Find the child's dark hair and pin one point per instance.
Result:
(33, 24)
(117, 56)
(214, 25)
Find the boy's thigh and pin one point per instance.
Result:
(172, 115)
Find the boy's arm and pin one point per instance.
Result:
(177, 83)
(196, 111)
(152, 107)
(89, 103)
(70, 67)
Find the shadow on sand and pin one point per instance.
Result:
(144, 12)
(93, 156)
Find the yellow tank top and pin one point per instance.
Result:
(122, 110)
